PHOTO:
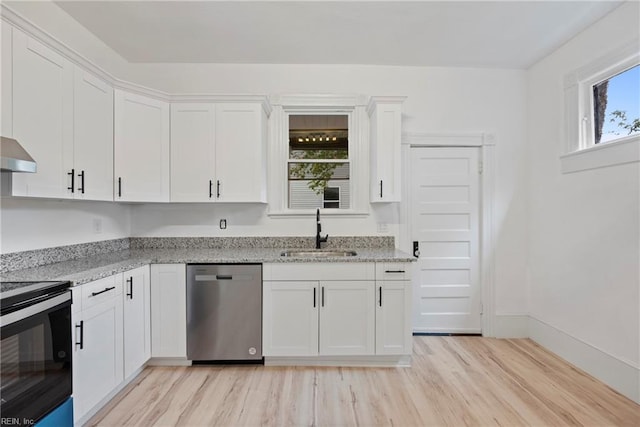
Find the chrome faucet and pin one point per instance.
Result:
(319, 240)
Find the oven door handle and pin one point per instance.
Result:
(34, 309)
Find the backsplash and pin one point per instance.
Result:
(259, 242)
(38, 257)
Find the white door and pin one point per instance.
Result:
(193, 152)
(240, 153)
(347, 318)
(141, 139)
(137, 318)
(92, 137)
(445, 222)
(43, 117)
(290, 318)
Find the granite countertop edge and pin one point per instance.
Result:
(84, 270)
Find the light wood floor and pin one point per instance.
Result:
(454, 381)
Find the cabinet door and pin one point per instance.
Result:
(192, 152)
(137, 319)
(290, 318)
(393, 317)
(92, 137)
(169, 310)
(98, 365)
(240, 153)
(42, 117)
(347, 318)
(386, 134)
(141, 148)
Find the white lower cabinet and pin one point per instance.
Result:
(290, 318)
(111, 319)
(169, 311)
(347, 318)
(345, 311)
(137, 319)
(98, 352)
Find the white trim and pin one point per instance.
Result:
(377, 100)
(319, 101)
(621, 375)
(487, 143)
(169, 361)
(511, 325)
(605, 154)
(341, 361)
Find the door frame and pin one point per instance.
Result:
(486, 142)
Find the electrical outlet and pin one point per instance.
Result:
(97, 226)
(223, 224)
(383, 227)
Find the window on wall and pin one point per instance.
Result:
(319, 163)
(616, 106)
(602, 111)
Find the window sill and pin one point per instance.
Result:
(312, 212)
(604, 155)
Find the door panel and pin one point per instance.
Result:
(445, 222)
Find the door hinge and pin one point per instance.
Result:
(480, 167)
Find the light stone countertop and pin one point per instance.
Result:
(92, 268)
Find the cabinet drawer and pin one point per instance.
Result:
(94, 293)
(319, 271)
(390, 271)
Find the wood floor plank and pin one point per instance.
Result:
(454, 381)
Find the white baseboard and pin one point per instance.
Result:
(169, 361)
(511, 326)
(618, 374)
(342, 361)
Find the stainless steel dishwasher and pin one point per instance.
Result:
(224, 312)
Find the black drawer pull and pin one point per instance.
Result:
(93, 294)
(394, 271)
(221, 277)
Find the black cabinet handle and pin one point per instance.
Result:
(218, 189)
(394, 271)
(93, 294)
(380, 299)
(381, 189)
(223, 277)
(81, 176)
(119, 187)
(130, 282)
(210, 188)
(81, 326)
(322, 296)
(73, 175)
(314, 297)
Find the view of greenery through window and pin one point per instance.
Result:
(617, 106)
(318, 166)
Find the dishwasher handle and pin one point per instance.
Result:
(212, 277)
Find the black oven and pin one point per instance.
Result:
(35, 362)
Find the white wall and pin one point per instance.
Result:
(27, 224)
(439, 100)
(584, 244)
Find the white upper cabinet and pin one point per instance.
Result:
(92, 137)
(240, 153)
(141, 148)
(63, 116)
(193, 177)
(385, 137)
(42, 113)
(218, 152)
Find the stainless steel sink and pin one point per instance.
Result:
(308, 253)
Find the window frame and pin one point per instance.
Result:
(351, 105)
(580, 151)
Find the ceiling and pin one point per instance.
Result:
(503, 34)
